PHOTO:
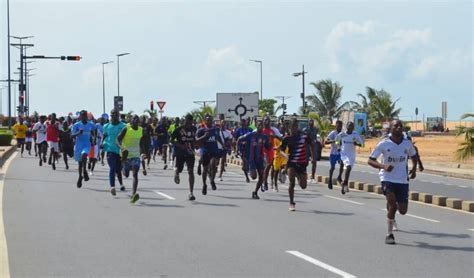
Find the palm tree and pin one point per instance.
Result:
(324, 125)
(466, 149)
(151, 113)
(378, 105)
(326, 101)
(199, 113)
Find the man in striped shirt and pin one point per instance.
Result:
(297, 143)
(257, 145)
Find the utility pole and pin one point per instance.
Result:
(261, 77)
(103, 83)
(283, 104)
(9, 70)
(302, 73)
(21, 87)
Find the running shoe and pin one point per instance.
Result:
(86, 176)
(165, 167)
(390, 239)
(204, 189)
(346, 188)
(255, 196)
(339, 180)
(91, 173)
(342, 190)
(221, 179)
(113, 192)
(176, 178)
(79, 182)
(191, 197)
(54, 167)
(49, 161)
(67, 167)
(144, 172)
(213, 185)
(330, 184)
(41, 162)
(122, 188)
(135, 197)
(292, 207)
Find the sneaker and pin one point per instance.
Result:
(390, 239)
(292, 207)
(213, 185)
(312, 181)
(144, 172)
(339, 180)
(44, 159)
(346, 188)
(191, 197)
(330, 184)
(113, 192)
(342, 190)
(176, 178)
(165, 167)
(54, 167)
(262, 188)
(122, 188)
(255, 196)
(395, 227)
(266, 186)
(135, 197)
(91, 173)
(221, 179)
(79, 182)
(86, 176)
(41, 162)
(204, 189)
(49, 162)
(67, 167)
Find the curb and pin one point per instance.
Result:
(6, 154)
(421, 197)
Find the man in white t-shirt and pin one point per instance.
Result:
(40, 129)
(335, 156)
(347, 142)
(225, 147)
(395, 151)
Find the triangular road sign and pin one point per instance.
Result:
(161, 104)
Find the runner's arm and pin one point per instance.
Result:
(119, 139)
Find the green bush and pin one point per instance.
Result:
(6, 139)
(378, 126)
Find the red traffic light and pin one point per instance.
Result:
(73, 58)
(151, 105)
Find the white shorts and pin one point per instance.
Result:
(28, 139)
(348, 160)
(53, 145)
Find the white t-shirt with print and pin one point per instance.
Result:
(396, 155)
(332, 136)
(40, 132)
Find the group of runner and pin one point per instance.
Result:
(267, 152)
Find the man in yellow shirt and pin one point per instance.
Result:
(19, 129)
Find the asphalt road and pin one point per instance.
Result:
(54, 229)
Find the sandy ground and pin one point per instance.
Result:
(436, 149)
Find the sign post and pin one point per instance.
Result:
(444, 112)
(416, 118)
(118, 103)
(161, 104)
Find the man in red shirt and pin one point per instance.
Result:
(52, 137)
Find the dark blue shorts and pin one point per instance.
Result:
(334, 158)
(256, 165)
(399, 189)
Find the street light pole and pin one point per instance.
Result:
(296, 74)
(118, 71)
(103, 82)
(261, 76)
(9, 70)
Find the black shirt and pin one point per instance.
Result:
(186, 137)
(297, 147)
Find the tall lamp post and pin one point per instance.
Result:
(302, 73)
(103, 82)
(261, 77)
(118, 71)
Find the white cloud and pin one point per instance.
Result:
(450, 63)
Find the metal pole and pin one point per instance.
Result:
(9, 70)
(304, 102)
(103, 87)
(22, 81)
(261, 81)
(118, 75)
(25, 99)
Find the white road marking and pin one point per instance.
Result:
(345, 200)
(164, 195)
(4, 266)
(321, 264)
(462, 186)
(472, 230)
(419, 217)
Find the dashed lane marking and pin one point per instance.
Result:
(321, 264)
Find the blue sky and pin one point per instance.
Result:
(420, 51)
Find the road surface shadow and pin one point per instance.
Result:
(280, 201)
(436, 235)
(143, 204)
(328, 212)
(425, 245)
(214, 204)
(232, 198)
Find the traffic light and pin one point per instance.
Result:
(71, 58)
(18, 109)
(283, 106)
(152, 103)
(21, 99)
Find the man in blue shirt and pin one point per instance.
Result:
(111, 131)
(208, 137)
(241, 148)
(257, 143)
(83, 131)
